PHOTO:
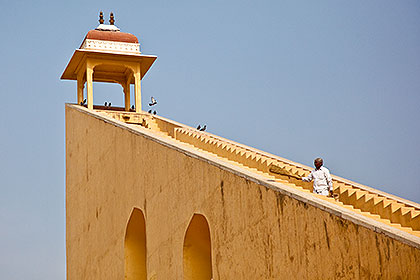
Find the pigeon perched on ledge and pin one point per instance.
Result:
(153, 102)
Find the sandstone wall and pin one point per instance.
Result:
(256, 232)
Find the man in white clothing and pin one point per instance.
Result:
(321, 177)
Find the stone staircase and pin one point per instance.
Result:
(145, 120)
(371, 203)
(361, 199)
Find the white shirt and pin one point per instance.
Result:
(322, 179)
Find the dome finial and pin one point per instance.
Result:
(111, 18)
(101, 18)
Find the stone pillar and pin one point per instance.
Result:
(80, 87)
(126, 88)
(137, 87)
(89, 86)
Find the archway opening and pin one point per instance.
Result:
(135, 247)
(197, 250)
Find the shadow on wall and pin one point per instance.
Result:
(197, 250)
(135, 247)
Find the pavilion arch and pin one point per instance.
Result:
(109, 71)
(113, 73)
(197, 250)
(135, 247)
(121, 74)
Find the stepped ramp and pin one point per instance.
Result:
(373, 204)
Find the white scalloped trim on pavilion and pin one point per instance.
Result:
(111, 46)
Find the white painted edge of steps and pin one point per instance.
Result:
(309, 198)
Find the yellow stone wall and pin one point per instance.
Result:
(256, 232)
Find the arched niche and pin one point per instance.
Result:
(135, 247)
(197, 250)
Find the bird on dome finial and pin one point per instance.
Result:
(111, 18)
(101, 18)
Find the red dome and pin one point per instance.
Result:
(115, 36)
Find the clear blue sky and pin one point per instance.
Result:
(299, 79)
